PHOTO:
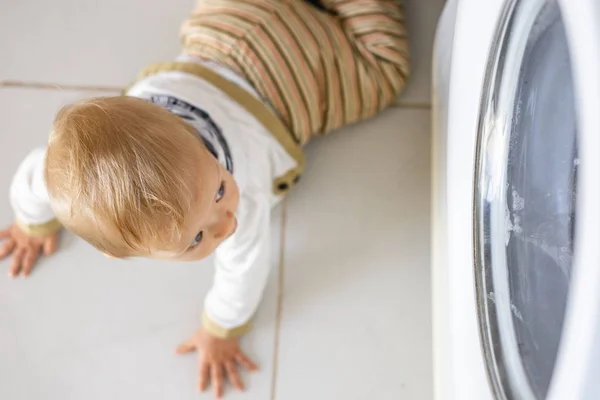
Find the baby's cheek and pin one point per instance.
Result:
(200, 254)
(235, 200)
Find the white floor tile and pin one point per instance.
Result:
(421, 21)
(87, 327)
(356, 306)
(86, 41)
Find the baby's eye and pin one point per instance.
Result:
(197, 240)
(221, 192)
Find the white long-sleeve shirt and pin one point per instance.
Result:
(244, 146)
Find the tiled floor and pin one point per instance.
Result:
(346, 314)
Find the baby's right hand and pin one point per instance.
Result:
(25, 249)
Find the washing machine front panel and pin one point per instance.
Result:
(516, 231)
(459, 363)
(526, 191)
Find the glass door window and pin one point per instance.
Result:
(526, 188)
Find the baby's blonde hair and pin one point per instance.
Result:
(119, 173)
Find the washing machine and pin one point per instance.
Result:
(516, 200)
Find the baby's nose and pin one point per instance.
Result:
(224, 227)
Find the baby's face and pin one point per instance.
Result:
(212, 217)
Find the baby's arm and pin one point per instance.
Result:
(35, 228)
(242, 268)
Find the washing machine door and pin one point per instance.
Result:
(537, 238)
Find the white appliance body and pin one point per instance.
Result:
(516, 207)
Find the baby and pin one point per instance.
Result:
(190, 160)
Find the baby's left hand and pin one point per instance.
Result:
(216, 355)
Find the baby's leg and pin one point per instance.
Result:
(317, 3)
(319, 70)
(373, 57)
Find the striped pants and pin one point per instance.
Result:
(320, 69)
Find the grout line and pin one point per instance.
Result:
(56, 86)
(65, 87)
(280, 283)
(415, 106)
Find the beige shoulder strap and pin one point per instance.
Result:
(254, 106)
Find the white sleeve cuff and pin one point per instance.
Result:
(28, 193)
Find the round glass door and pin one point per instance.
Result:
(526, 186)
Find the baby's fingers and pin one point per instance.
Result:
(50, 245)
(5, 233)
(17, 261)
(234, 375)
(7, 248)
(29, 260)
(245, 362)
(203, 378)
(216, 372)
(185, 348)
